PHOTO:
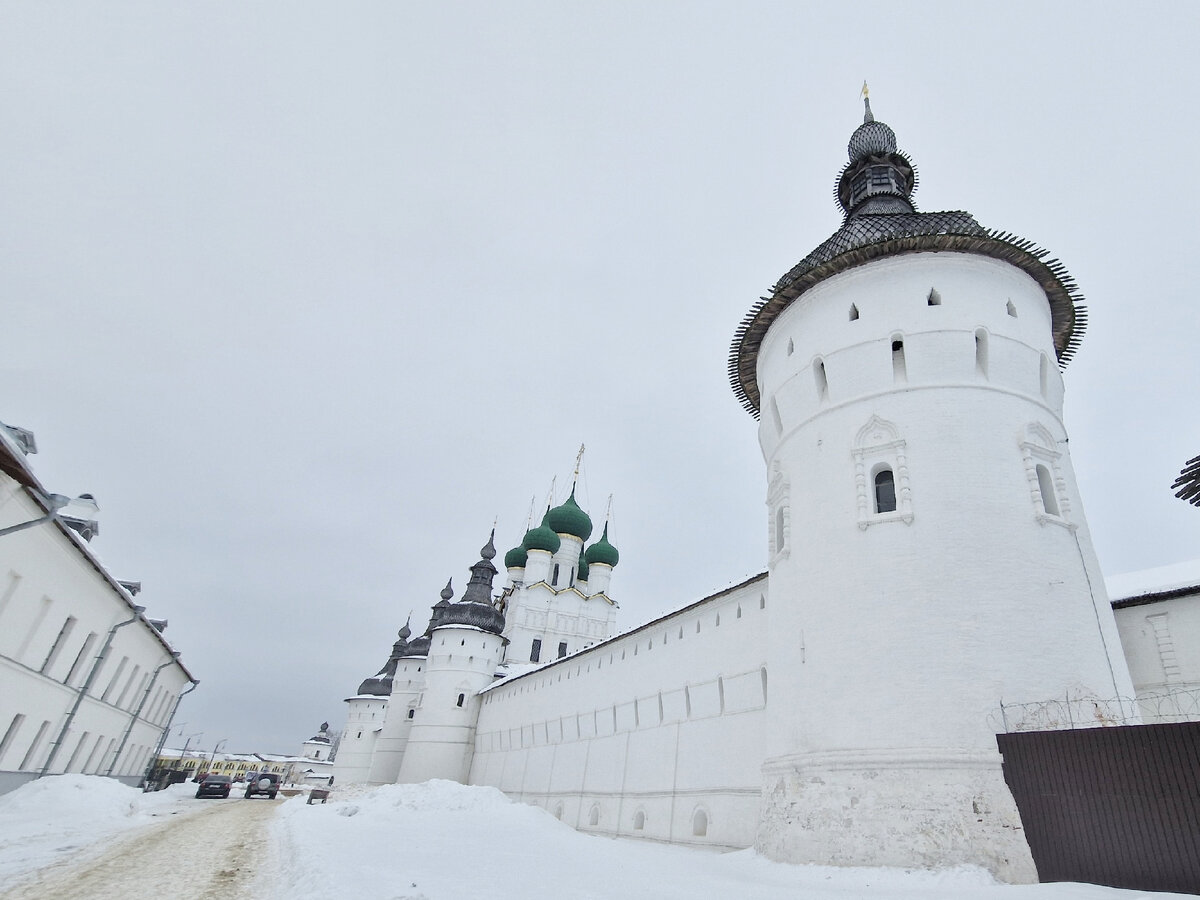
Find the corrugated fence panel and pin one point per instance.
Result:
(1115, 806)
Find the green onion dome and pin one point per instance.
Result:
(602, 551)
(542, 537)
(570, 519)
(515, 558)
(581, 573)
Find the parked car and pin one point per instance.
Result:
(214, 786)
(262, 783)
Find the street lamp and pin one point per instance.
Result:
(212, 758)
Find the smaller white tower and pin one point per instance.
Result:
(464, 650)
(365, 717)
(319, 746)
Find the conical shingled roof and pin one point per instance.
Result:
(881, 221)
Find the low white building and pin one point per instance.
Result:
(88, 683)
(1158, 616)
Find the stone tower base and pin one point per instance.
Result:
(922, 807)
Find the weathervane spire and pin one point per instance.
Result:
(578, 460)
(868, 116)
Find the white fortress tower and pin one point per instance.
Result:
(465, 647)
(366, 714)
(928, 552)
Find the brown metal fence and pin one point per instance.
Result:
(1118, 806)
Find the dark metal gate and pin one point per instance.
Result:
(1117, 806)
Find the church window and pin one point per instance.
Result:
(558, 811)
(821, 380)
(885, 491)
(554, 577)
(639, 820)
(718, 620)
(1012, 310)
(562, 649)
(594, 816)
(899, 367)
(791, 347)
(1046, 489)
(535, 653)
(461, 698)
(934, 298)
(697, 626)
(700, 823)
(853, 312)
(739, 611)
(360, 734)
(981, 352)
(880, 177)
(762, 601)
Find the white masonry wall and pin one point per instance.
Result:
(1161, 639)
(365, 715)
(656, 734)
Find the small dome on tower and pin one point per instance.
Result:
(543, 537)
(602, 552)
(570, 519)
(516, 558)
(871, 137)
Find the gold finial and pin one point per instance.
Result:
(865, 91)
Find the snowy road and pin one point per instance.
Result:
(216, 854)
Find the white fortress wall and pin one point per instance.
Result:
(657, 733)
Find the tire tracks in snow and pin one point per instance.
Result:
(217, 854)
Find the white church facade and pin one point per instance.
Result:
(928, 558)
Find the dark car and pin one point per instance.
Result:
(262, 783)
(214, 786)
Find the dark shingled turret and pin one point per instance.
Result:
(380, 684)
(875, 192)
(475, 608)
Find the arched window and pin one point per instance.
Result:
(934, 298)
(822, 381)
(594, 816)
(779, 532)
(981, 352)
(791, 347)
(885, 491)
(1012, 310)
(461, 698)
(558, 812)
(1046, 486)
(554, 577)
(700, 823)
(639, 820)
(853, 313)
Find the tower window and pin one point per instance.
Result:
(899, 368)
(1012, 310)
(411, 713)
(934, 298)
(885, 491)
(981, 352)
(853, 312)
(700, 823)
(535, 652)
(461, 698)
(639, 820)
(554, 577)
(1046, 486)
(822, 381)
(791, 347)
(562, 649)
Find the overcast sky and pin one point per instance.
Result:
(308, 294)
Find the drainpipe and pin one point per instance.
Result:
(166, 730)
(137, 712)
(96, 666)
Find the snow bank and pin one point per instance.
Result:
(444, 841)
(60, 816)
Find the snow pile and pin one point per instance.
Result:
(444, 841)
(55, 818)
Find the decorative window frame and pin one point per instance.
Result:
(778, 506)
(879, 443)
(1039, 446)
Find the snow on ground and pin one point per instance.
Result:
(45, 820)
(444, 841)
